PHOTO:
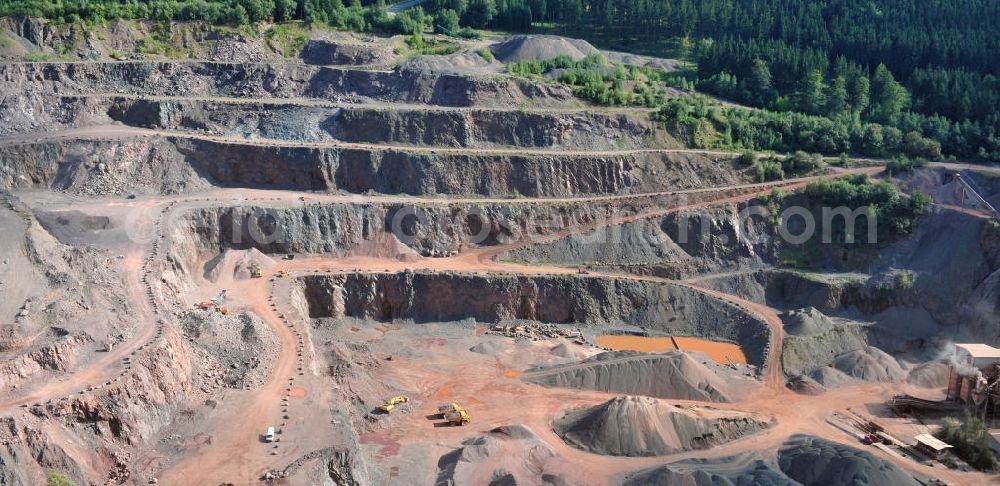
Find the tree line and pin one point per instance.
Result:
(914, 65)
(903, 65)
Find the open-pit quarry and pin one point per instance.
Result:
(196, 251)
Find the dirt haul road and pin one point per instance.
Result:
(483, 259)
(230, 457)
(110, 367)
(227, 459)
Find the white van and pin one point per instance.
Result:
(270, 435)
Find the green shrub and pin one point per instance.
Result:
(446, 22)
(903, 164)
(893, 210)
(971, 441)
(57, 479)
(748, 158)
(769, 170)
(800, 163)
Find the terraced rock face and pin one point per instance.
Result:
(639, 426)
(668, 375)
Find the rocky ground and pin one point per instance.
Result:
(434, 228)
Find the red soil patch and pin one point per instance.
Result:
(389, 446)
(297, 392)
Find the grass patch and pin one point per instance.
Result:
(40, 57)
(288, 39)
(418, 45)
(593, 78)
(57, 479)
(486, 53)
(160, 42)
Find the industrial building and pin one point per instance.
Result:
(931, 446)
(974, 376)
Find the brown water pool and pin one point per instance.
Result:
(719, 352)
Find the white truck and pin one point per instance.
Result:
(270, 435)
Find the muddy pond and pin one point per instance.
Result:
(720, 352)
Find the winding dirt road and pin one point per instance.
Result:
(229, 456)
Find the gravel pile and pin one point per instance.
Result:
(802, 460)
(512, 454)
(540, 47)
(930, 375)
(237, 264)
(740, 470)
(234, 351)
(668, 375)
(812, 460)
(641, 426)
(870, 364)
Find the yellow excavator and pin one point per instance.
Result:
(209, 305)
(282, 273)
(391, 403)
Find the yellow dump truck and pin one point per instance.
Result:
(255, 271)
(449, 408)
(460, 417)
(391, 403)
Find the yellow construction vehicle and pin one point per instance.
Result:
(460, 417)
(282, 273)
(255, 271)
(391, 403)
(209, 305)
(449, 408)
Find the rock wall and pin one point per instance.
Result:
(91, 437)
(57, 356)
(426, 297)
(286, 80)
(335, 229)
(31, 111)
(676, 245)
(172, 165)
(325, 52)
(576, 130)
(100, 168)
